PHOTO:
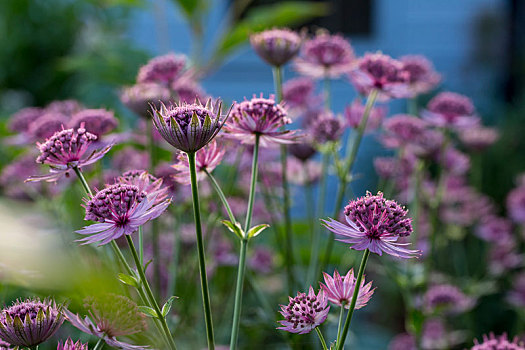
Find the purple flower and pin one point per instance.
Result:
(110, 316)
(66, 150)
(516, 295)
(45, 126)
(69, 345)
(492, 342)
(403, 129)
(129, 158)
(187, 90)
(446, 298)
(423, 77)
(448, 109)
(262, 260)
(302, 150)
(140, 97)
(478, 138)
(189, 127)
(6, 346)
(66, 107)
(12, 175)
(340, 290)
(494, 229)
(259, 116)
(207, 158)
(276, 46)
(504, 256)
(20, 121)
(354, 114)
(326, 128)
(303, 172)
(119, 210)
(456, 162)
(374, 223)
(382, 73)
(298, 93)
(145, 183)
(31, 322)
(403, 341)
(304, 312)
(97, 121)
(162, 69)
(516, 204)
(325, 55)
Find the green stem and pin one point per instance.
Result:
(99, 344)
(244, 244)
(141, 246)
(83, 181)
(321, 338)
(200, 250)
(327, 101)
(340, 324)
(342, 340)
(221, 195)
(149, 293)
(309, 197)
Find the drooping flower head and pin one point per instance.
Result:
(69, 345)
(325, 55)
(145, 183)
(478, 138)
(65, 150)
(140, 97)
(448, 109)
(403, 129)
(276, 46)
(162, 69)
(423, 78)
(189, 127)
(340, 289)
(354, 112)
(97, 121)
(110, 316)
(382, 73)
(492, 342)
(259, 116)
(305, 312)
(326, 128)
(374, 223)
(119, 210)
(206, 159)
(30, 322)
(446, 298)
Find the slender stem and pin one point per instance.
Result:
(99, 344)
(221, 195)
(327, 97)
(340, 324)
(83, 181)
(342, 340)
(141, 247)
(309, 197)
(321, 338)
(149, 293)
(200, 249)
(244, 244)
(278, 82)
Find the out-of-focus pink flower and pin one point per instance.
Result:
(206, 159)
(187, 90)
(326, 128)
(494, 229)
(504, 256)
(45, 126)
(162, 69)
(402, 130)
(305, 312)
(97, 121)
(516, 204)
(276, 46)
(446, 298)
(456, 162)
(129, 158)
(354, 114)
(140, 97)
(20, 121)
(303, 172)
(302, 150)
(423, 77)
(261, 260)
(340, 289)
(403, 341)
(448, 109)
(299, 94)
(478, 138)
(516, 296)
(66, 107)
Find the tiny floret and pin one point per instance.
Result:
(305, 312)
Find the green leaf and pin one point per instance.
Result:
(254, 231)
(147, 264)
(129, 280)
(190, 7)
(235, 228)
(148, 311)
(281, 14)
(167, 306)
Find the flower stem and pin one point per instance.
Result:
(149, 293)
(221, 195)
(342, 339)
(200, 249)
(83, 181)
(244, 245)
(321, 338)
(340, 324)
(348, 166)
(327, 100)
(99, 344)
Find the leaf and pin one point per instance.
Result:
(235, 228)
(281, 14)
(129, 280)
(167, 306)
(254, 231)
(147, 264)
(148, 311)
(190, 7)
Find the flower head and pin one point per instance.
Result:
(30, 322)
(374, 223)
(119, 209)
(66, 107)
(262, 260)
(494, 229)
(305, 312)
(110, 316)
(326, 128)
(302, 150)
(276, 46)
(259, 116)
(66, 150)
(423, 78)
(97, 121)
(189, 127)
(145, 183)
(448, 298)
(140, 97)
(382, 73)
(448, 109)
(325, 55)
(478, 138)
(20, 121)
(354, 114)
(516, 204)
(206, 159)
(187, 90)
(492, 342)
(162, 69)
(340, 289)
(45, 126)
(298, 93)
(69, 345)
(403, 129)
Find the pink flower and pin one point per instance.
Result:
(97, 121)
(46, 125)
(492, 342)
(20, 121)
(207, 158)
(423, 77)
(276, 46)
(448, 109)
(374, 223)
(354, 114)
(299, 94)
(69, 345)
(162, 69)
(326, 128)
(145, 182)
(340, 290)
(186, 90)
(140, 97)
(446, 298)
(403, 129)
(478, 138)
(304, 312)
(516, 204)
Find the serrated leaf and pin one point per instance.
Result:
(254, 231)
(148, 311)
(167, 306)
(127, 279)
(235, 228)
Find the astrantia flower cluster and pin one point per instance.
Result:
(449, 109)
(276, 46)
(97, 121)
(423, 78)
(340, 289)
(492, 342)
(326, 128)
(140, 97)
(69, 345)
(447, 298)
(305, 312)
(374, 223)
(162, 69)
(354, 115)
